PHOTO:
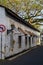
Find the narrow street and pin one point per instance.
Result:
(33, 57)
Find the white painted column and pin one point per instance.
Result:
(27, 41)
(23, 42)
(31, 41)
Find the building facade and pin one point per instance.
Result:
(18, 34)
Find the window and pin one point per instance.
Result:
(25, 40)
(29, 41)
(19, 41)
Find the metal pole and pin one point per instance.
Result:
(1, 45)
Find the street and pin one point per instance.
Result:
(33, 57)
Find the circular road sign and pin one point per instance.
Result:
(2, 28)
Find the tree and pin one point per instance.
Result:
(24, 8)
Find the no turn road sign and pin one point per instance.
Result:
(2, 28)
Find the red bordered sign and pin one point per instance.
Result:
(2, 28)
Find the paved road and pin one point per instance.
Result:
(34, 57)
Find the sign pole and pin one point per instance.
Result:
(2, 29)
(1, 45)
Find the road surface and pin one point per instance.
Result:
(33, 57)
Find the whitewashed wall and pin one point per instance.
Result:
(17, 24)
(6, 23)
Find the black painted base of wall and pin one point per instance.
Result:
(16, 54)
(21, 52)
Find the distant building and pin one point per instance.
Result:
(16, 35)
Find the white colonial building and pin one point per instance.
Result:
(16, 35)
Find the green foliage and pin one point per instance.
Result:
(23, 5)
